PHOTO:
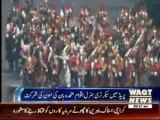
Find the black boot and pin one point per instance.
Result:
(11, 66)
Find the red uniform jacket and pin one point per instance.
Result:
(156, 67)
(38, 33)
(87, 65)
(98, 65)
(74, 60)
(131, 67)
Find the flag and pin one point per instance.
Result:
(132, 51)
(135, 49)
(62, 11)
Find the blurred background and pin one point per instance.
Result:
(11, 80)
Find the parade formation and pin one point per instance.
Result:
(54, 48)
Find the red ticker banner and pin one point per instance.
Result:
(76, 111)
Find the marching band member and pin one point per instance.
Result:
(43, 31)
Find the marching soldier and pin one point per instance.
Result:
(39, 31)
(74, 65)
(131, 65)
(155, 71)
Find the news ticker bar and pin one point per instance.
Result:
(78, 111)
(132, 95)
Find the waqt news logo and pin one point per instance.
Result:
(140, 98)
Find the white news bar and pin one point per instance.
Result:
(142, 106)
(142, 96)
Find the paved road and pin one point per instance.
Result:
(9, 79)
